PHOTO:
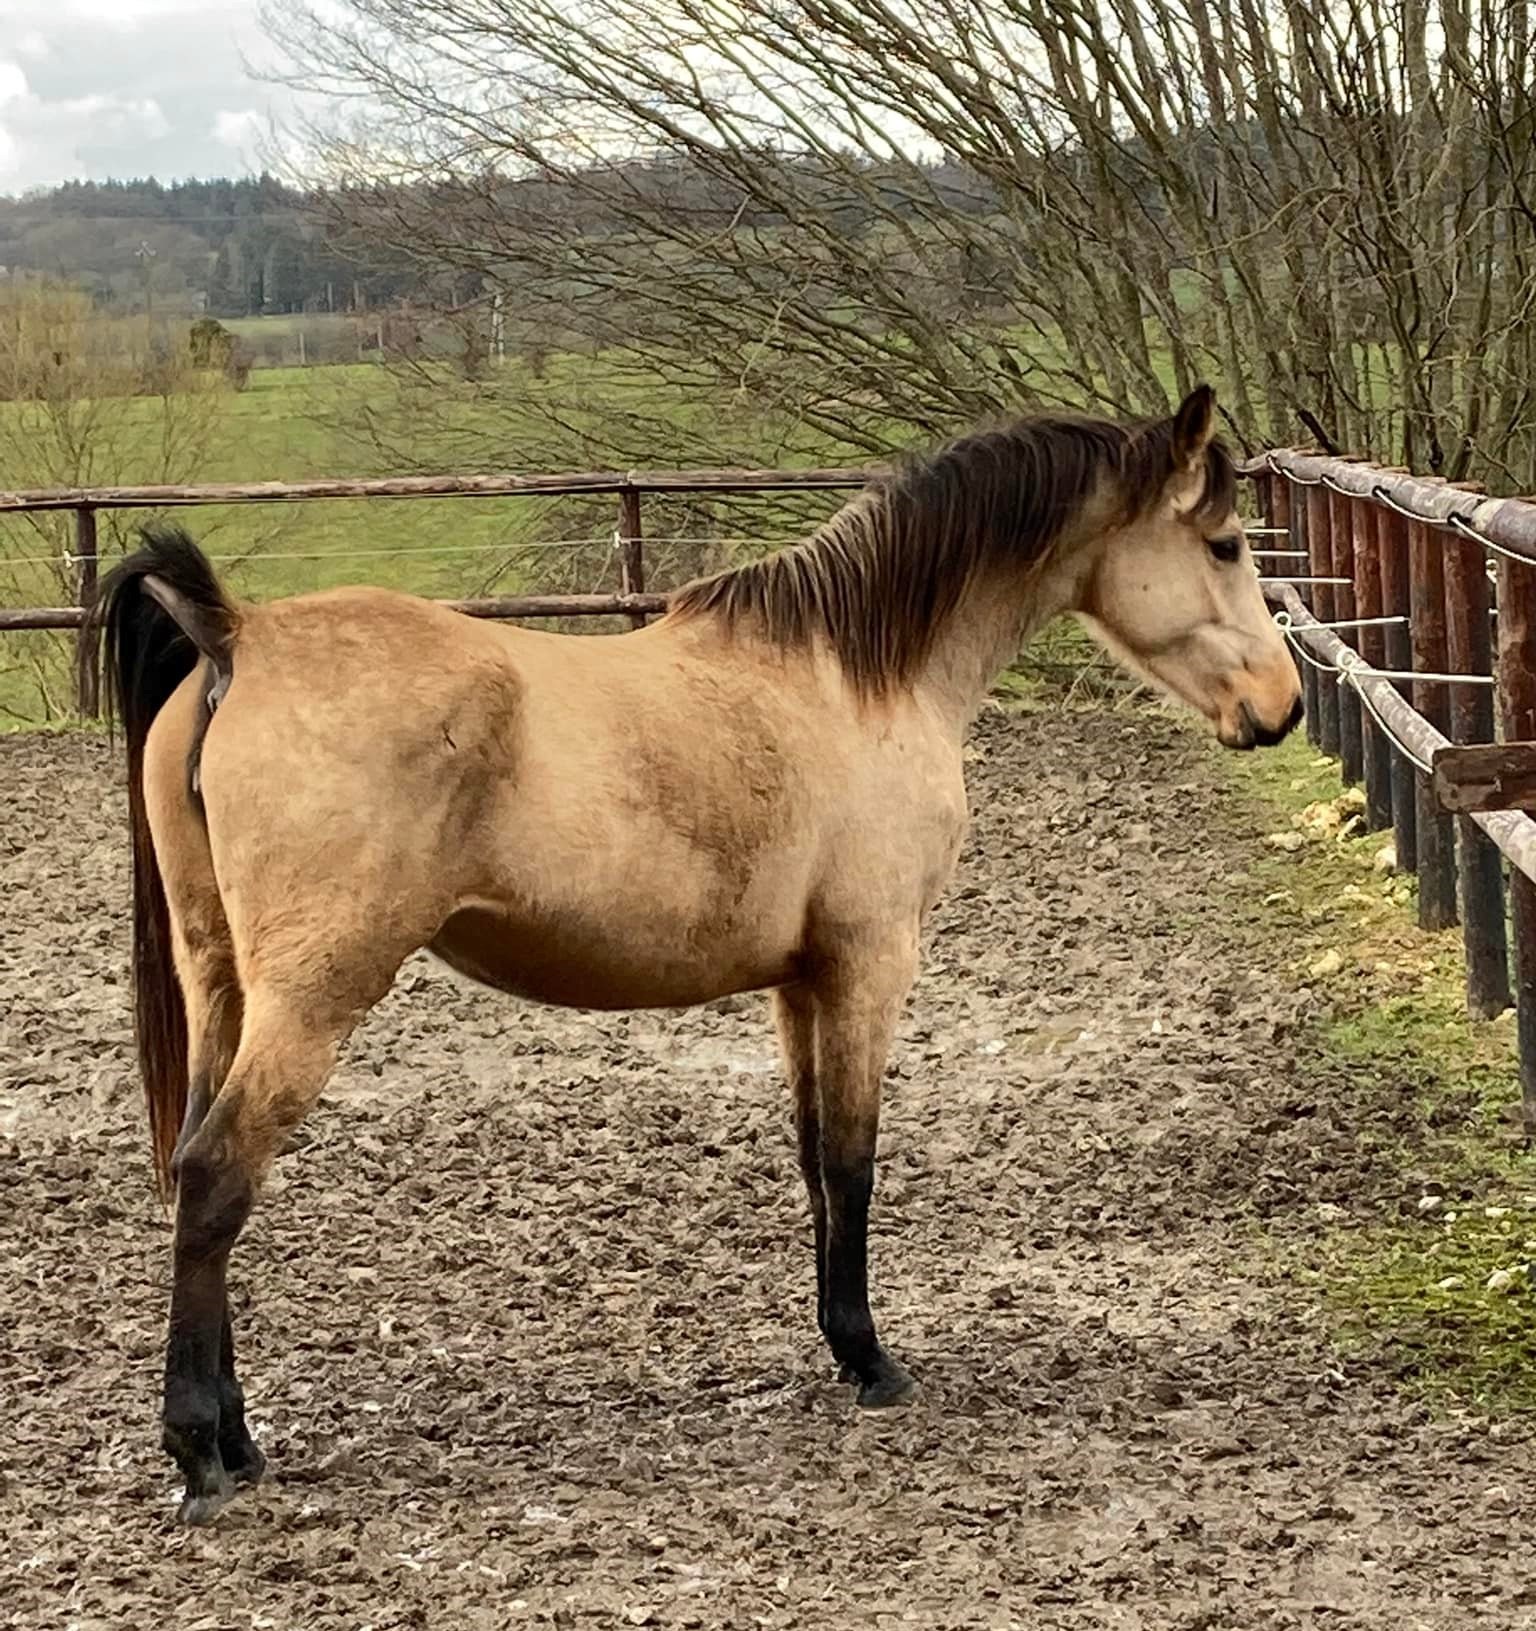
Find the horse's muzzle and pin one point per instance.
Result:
(1251, 733)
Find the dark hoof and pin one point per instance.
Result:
(890, 1385)
(196, 1510)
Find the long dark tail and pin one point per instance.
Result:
(158, 614)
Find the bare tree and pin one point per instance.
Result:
(85, 401)
(795, 227)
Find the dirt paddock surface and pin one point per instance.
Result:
(526, 1324)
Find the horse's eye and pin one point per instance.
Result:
(1226, 549)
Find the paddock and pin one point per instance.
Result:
(561, 1260)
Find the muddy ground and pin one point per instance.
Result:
(526, 1325)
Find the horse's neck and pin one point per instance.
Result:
(985, 631)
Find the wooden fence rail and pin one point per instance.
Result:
(1418, 550)
(627, 485)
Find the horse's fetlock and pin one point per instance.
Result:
(189, 1424)
(850, 1333)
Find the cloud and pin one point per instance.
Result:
(13, 83)
(35, 131)
(239, 129)
(122, 88)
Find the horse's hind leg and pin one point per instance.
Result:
(288, 1043)
(794, 1012)
(204, 955)
(858, 1001)
(215, 1007)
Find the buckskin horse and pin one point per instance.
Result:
(762, 790)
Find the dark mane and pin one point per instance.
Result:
(878, 580)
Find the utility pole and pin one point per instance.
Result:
(498, 329)
(146, 256)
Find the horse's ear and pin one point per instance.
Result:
(1194, 427)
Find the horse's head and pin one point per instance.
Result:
(1174, 593)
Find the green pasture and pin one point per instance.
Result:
(360, 420)
(1427, 1270)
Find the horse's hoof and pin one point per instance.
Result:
(197, 1510)
(891, 1386)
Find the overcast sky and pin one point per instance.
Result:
(99, 88)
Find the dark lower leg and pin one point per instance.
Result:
(850, 1326)
(243, 1461)
(808, 1134)
(191, 1417)
(795, 1015)
(213, 1201)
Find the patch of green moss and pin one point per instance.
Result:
(1432, 1282)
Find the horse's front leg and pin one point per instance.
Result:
(795, 1014)
(858, 999)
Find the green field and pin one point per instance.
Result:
(295, 424)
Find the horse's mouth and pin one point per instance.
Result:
(1252, 733)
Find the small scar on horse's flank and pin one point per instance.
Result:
(448, 738)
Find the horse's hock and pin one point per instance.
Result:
(530, 1336)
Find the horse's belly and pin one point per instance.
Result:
(578, 963)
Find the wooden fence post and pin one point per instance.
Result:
(1517, 710)
(1296, 499)
(632, 550)
(1372, 646)
(1351, 735)
(1469, 649)
(1397, 644)
(1320, 553)
(1436, 827)
(1280, 511)
(86, 563)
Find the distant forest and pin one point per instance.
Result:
(254, 247)
(231, 248)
